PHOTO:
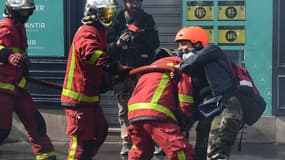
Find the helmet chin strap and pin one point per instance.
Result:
(89, 19)
(93, 19)
(105, 24)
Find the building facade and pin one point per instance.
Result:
(249, 31)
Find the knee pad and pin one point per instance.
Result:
(4, 134)
(41, 125)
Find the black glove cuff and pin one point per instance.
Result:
(4, 54)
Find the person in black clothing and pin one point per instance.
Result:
(212, 78)
(133, 40)
(192, 39)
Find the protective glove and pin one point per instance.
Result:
(18, 60)
(123, 40)
(125, 37)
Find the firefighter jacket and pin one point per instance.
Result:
(84, 67)
(158, 97)
(214, 64)
(139, 50)
(13, 37)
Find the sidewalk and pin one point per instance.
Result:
(110, 151)
(19, 149)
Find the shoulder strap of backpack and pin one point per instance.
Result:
(234, 72)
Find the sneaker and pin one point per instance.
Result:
(157, 150)
(125, 149)
(219, 157)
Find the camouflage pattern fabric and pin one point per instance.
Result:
(224, 130)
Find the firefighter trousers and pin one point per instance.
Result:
(87, 129)
(22, 104)
(144, 135)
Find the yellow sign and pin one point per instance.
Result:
(200, 11)
(231, 10)
(210, 31)
(231, 35)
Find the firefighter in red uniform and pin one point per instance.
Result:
(13, 73)
(86, 124)
(156, 107)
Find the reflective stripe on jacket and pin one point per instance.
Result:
(158, 97)
(12, 36)
(83, 71)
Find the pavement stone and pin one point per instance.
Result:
(110, 151)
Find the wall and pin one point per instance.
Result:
(253, 43)
(169, 15)
(258, 55)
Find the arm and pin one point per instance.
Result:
(113, 35)
(6, 54)
(185, 95)
(210, 53)
(90, 45)
(185, 104)
(5, 40)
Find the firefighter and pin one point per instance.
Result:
(158, 106)
(87, 59)
(132, 42)
(212, 78)
(14, 65)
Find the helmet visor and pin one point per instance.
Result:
(106, 15)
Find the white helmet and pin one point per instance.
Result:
(20, 4)
(13, 8)
(102, 11)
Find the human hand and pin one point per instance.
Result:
(176, 74)
(124, 38)
(18, 60)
